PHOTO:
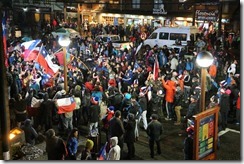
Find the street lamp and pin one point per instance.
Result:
(204, 60)
(64, 41)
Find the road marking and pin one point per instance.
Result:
(227, 130)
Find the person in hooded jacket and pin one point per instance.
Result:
(170, 87)
(114, 152)
(30, 132)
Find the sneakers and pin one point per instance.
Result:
(168, 119)
(177, 123)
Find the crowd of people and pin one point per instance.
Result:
(116, 90)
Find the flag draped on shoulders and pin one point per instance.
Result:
(30, 49)
(65, 105)
(46, 62)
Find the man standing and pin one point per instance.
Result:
(154, 131)
(116, 128)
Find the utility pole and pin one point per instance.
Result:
(4, 104)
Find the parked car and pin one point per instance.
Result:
(66, 31)
(116, 42)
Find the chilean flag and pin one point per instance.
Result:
(30, 49)
(65, 105)
(103, 153)
(155, 69)
(4, 28)
(46, 62)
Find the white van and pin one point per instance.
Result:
(171, 35)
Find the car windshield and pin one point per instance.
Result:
(70, 30)
(61, 30)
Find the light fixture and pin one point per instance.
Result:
(25, 9)
(204, 59)
(37, 9)
(64, 41)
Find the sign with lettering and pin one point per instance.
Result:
(160, 10)
(207, 15)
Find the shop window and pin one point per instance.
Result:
(136, 4)
(157, 4)
(163, 36)
(37, 17)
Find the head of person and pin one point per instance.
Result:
(117, 114)
(89, 144)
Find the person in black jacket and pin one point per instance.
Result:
(116, 128)
(93, 115)
(154, 132)
(188, 144)
(178, 105)
(142, 100)
(129, 125)
(30, 132)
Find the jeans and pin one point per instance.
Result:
(151, 145)
(169, 109)
(136, 129)
(144, 119)
(67, 123)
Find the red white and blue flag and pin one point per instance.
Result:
(30, 49)
(4, 28)
(155, 69)
(46, 62)
(65, 105)
(103, 152)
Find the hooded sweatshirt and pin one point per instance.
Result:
(114, 152)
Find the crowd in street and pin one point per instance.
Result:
(115, 90)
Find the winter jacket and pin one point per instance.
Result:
(72, 145)
(114, 152)
(170, 90)
(94, 113)
(129, 131)
(224, 103)
(154, 130)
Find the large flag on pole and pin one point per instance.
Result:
(46, 62)
(65, 105)
(155, 68)
(4, 30)
(30, 49)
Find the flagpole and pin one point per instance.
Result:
(57, 51)
(38, 53)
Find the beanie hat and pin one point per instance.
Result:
(127, 96)
(89, 144)
(94, 100)
(228, 92)
(111, 108)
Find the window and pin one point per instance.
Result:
(157, 4)
(153, 36)
(163, 36)
(136, 4)
(179, 36)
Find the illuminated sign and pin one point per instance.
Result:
(207, 15)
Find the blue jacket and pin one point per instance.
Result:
(72, 145)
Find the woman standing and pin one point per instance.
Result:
(72, 144)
